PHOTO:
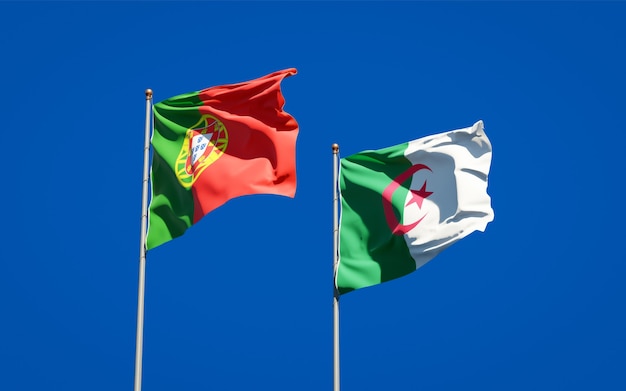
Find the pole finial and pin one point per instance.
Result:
(335, 148)
(148, 94)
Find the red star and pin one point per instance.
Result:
(419, 196)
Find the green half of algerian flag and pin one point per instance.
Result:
(403, 205)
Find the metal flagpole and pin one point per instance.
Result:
(335, 260)
(142, 246)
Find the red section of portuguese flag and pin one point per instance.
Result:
(216, 144)
(260, 157)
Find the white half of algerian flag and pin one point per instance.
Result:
(403, 205)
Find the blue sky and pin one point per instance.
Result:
(243, 301)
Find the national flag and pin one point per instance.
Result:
(403, 205)
(216, 144)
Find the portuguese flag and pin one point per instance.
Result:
(216, 144)
(403, 205)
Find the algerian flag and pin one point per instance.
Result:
(403, 205)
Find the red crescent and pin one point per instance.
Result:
(396, 227)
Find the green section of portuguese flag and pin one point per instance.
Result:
(171, 205)
(368, 251)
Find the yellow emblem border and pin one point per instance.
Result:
(187, 175)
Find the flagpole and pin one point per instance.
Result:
(142, 245)
(335, 261)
